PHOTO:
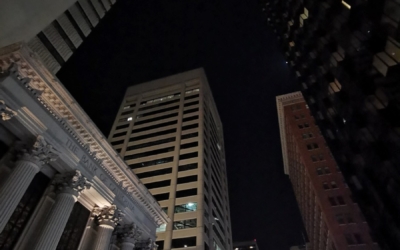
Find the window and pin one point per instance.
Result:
(187, 179)
(117, 142)
(333, 184)
(155, 119)
(119, 134)
(341, 200)
(340, 219)
(160, 244)
(332, 201)
(319, 171)
(314, 158)
(191, 97)
(161, 228)
(188, 207)
(296, 117)
(165, 209)
(187, 167)
(196, 125)
(161, 197)
(149, 144)
(191, 135)
(358, 238)
(129, 118)
(158, 111)
(158, 184)
(151, 163)
(312, 146)
(185, 193)
(325, 185)
(154, 173)
(189, 145)
(190, 118)
(349, 218)
(190, 111)
(149, 153)
(300, 126)
(306, 125)
(141, 137)
(191, 103)
(122, 126)
(349, 239)
(183, 242)
(154, 126)
(183, 224)
(188, 155)
(327, 170)
(321, 157)
(159, 104)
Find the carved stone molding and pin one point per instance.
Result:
(109, 215)
(72, 182)
(6, 112)
(128, 232)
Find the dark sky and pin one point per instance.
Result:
(138, 41)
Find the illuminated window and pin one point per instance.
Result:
(183, 224)
(129, 119)
(188, 207)
(161, 228)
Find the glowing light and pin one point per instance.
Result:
(190, 204)
(346, 5)
(129, 119)
(185, 245)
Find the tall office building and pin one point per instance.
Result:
(245, 245)
(331, 217)
(169, 133)
(345, 56)
(52, 29)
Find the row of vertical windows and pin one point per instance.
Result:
(160, 99)
(154, 126)
(158, 105)
(312, 146)
(307, 135)
(161, 197)
(323, 171)
(154, 173)
(179, 194)
(188, 207)
(319, 157)
(151, 163)
(344, 218)
(149, 153)
(141, 137)
(156, 119)
(304, 125)
(332, 185)
(301, 116)
(157, 111)
(152, 143)
(183, 242)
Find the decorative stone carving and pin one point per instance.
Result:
(73, 182)
(41, 152)
(109, 215)
(128, 231)
(6, 112)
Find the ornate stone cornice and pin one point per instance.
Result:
(41, 152)
(109, 215)
(5, 112)
(72, 182)
(53, 97)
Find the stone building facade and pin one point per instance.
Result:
(62, 186)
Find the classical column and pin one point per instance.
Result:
(22, 175)
(128, 234)
(108, 218)
(68, 188)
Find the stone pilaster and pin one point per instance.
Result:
(108, 218)
(25, 169)
(68, 188)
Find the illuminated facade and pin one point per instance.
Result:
(169, 133)
(332, 219)
(52, 29)
(345, 56)
(62, 186)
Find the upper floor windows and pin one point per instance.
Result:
(336, 201)
(303, 125)
(307, 135)
(187, 207)
(188, 155)
(353, 239)
(183, 224)
(312, 146)
(186, 192)
(323, 170)
(331, 185)
(319, 157)
(345, 218)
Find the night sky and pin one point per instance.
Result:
(138, 41)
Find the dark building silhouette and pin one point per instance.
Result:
(345, 57)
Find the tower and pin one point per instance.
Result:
(169, 133)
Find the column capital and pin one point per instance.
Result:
(5, 112)
(40, 153)
(71, 182)
(108, 215)
(128, 232)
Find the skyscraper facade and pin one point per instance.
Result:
(332, 218)
(170, 135)
(345, 58)
(52, 29)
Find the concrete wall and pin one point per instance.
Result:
(21, 20)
